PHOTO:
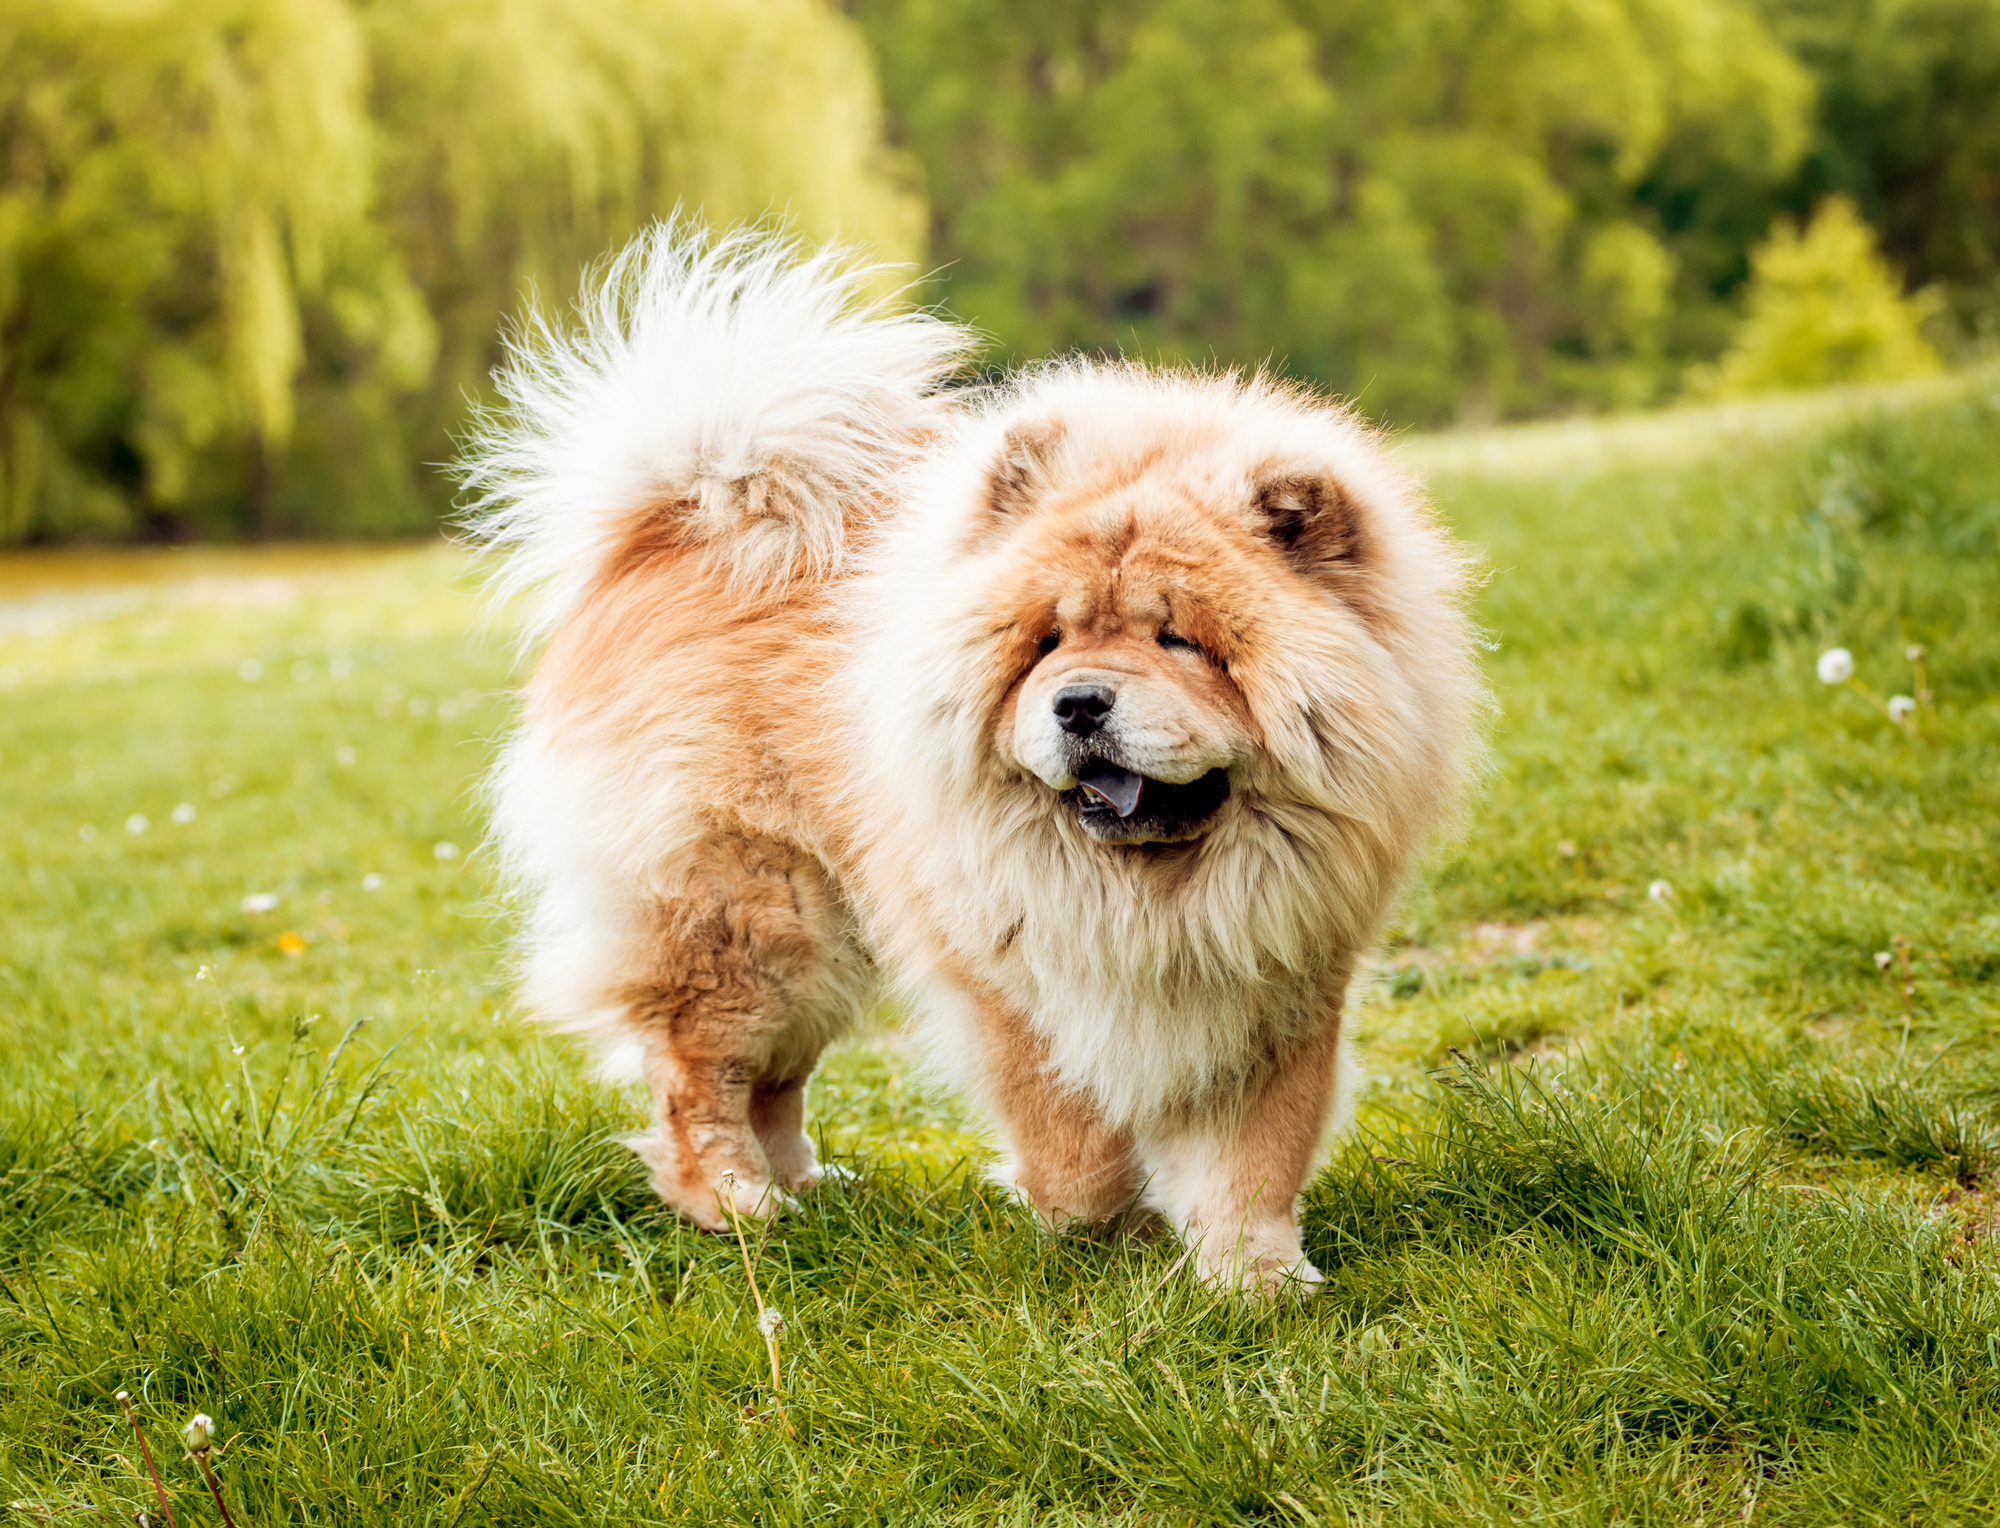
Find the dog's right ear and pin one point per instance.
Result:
(1023, 472)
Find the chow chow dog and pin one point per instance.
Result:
(1096, 714)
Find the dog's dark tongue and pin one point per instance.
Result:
(1116, 788)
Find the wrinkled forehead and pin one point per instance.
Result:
(1128, 557)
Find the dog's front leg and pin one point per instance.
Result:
(1061, 1156)
(1230, 1182)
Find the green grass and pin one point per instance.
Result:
(1673, 1209)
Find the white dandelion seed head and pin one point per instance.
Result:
(184, 813)
(1901, 708)
(1882, 959)
(444, 849)
(770, 1322)
(1836, 666)
(197, 1432)
(1660, 891)
(137, 823)
(372, 881)
(260, 902)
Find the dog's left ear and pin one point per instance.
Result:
(1312, 518)
(1025, 466)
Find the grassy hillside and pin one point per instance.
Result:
(1670, 1201)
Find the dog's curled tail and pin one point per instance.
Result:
(734, 395)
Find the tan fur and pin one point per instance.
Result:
(741, 804)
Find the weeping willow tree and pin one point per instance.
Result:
(254, 253)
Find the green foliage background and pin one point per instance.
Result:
(255, 255)
(1456, 209)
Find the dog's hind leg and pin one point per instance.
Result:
(749, 977)
(778, 1115)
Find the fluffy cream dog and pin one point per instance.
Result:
(1099, 714)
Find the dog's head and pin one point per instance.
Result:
(1162, 601)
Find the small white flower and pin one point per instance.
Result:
(372, 881)
(769, 1322)
(235, 1050)
(1836, 666)
(1882, 959)
(197, 1432)
(184, 813)
(1901, 708)
(137, 823)
(260, 902)
(250, 670)
(1660, 891)
(1914, 652)
(445, 850)
(202, 974)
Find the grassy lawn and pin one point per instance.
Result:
(1670, 1202)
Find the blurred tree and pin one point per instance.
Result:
(1909, 127)
(254, 254)
(1824, 307)
(177, 180)
(1435, 205)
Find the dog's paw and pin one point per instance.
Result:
(1270, 1265)
(1297, 1279)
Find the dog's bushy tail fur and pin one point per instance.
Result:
(737, 394)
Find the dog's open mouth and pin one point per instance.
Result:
(1121, 806)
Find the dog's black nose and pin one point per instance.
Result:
(1081, 708)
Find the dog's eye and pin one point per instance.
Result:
(1049, 643)
(1173, 639)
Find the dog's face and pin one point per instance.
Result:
(1127, 713)
(1156, 599)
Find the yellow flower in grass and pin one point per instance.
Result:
(292, 943)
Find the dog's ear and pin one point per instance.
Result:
(1021, 474)
(1312, 519)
